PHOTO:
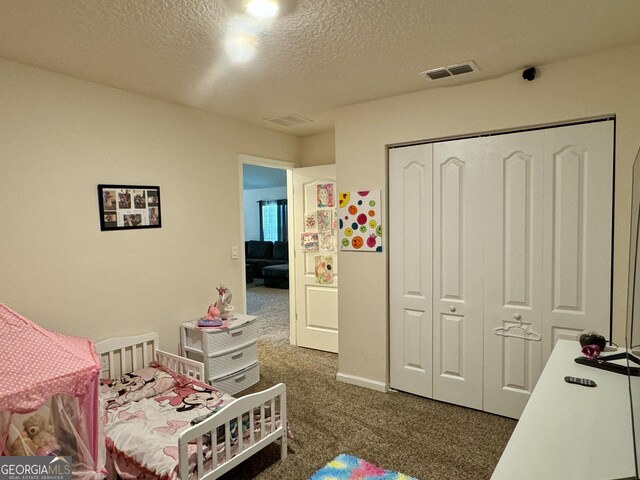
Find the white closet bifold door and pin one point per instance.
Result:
(410, 250)
(513, 269)
(499, 246)
(578, 183)
(458, 211)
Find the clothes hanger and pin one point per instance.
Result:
(527, 334)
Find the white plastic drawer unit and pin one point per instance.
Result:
(230, 355)
(238, 381)
(217, 341)
(227, 363)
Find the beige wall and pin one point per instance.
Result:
(318, 149)
(590, 86)
(59, 138)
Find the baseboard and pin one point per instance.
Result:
(362, 382)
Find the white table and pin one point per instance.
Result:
(569, 431)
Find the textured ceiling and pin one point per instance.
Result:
(323, 54)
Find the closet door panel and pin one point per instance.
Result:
(513, 269)
(410, 256)
(451, 346)
(517, 190)
(517, 368)
(457, 271)
(451, 226)
(577, 231)
(568, 224)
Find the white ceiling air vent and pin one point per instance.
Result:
(436, 73)
(451, 70)
(288, 120)
(461, 68)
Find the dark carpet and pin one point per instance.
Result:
(397, 431)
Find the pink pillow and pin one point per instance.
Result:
(131, 387)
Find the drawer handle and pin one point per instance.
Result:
(240, 378)
(235, 334)
(237, 355)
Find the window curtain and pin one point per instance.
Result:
(273, 220)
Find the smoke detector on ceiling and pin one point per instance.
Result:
(450, 71)
(288, 120)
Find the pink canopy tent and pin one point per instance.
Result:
(45, 371)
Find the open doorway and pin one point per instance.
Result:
(311, 301)
(266, 246)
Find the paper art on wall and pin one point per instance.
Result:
(309, 241)
(310, 221)
(359, 217)
(325, 195)
(324, 269)
(334, 220)
(326, 242)
(324, 221)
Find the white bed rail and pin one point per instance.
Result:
(122, 355)
(268, 402)
(182, 365)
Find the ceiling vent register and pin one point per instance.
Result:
(450, 71)
(288, 120)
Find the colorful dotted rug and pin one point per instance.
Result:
(346, 467)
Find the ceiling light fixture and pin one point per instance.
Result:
(263, 9)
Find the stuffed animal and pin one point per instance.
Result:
(23, 446)
(36, 439)
(212, 313)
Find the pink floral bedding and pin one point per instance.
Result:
(148, 409)
(143, 383)
(144, 434)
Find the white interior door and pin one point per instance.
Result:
(513, 268)
(316, 311)
(578, 182)
(410, 265)
(458, 209)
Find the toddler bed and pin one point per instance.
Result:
(161, 421)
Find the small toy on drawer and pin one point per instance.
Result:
(224, 303)
(212, 318)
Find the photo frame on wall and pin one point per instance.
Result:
(127, 207)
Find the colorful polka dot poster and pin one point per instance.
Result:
(359, 217)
